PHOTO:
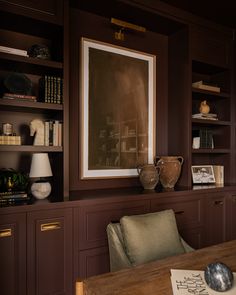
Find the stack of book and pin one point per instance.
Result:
(13, 196)
(10, 140)
(51, 89)
(15, 51)
(206, 86)
(16, 96)
(209, 116)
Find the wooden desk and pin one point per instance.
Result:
(154, 278)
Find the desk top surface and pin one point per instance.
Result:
(154, 278)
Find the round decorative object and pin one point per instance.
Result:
(18, 83)
(41, 190)
(170, 168)
(204, 107)
(148, 176)
(219, 277)
(39, 51)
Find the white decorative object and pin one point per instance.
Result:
(40, 168)
(196, 142)
(37, 129)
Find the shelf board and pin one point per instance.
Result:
(29, 104)
(211, 151)
(30, 60)
(30, 148)
(211, 93)
(210, 122)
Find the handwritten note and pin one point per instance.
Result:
(192, 282)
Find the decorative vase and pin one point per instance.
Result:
(204, 107)
(149, 176)
(170, 168)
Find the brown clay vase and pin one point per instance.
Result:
(170, 168)
(149, 175)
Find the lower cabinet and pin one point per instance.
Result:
(44, 249)
(231, 216)
(215, 226)
(13, 254)
(36, 253)
(49, 265)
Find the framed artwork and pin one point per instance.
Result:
(118, 110)
(203, 174)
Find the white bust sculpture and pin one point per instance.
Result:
(37, 129)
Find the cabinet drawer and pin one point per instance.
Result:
(91, 221)
(188, 212)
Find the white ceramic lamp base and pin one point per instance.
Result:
(41, 190)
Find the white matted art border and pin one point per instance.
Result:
(88, 137)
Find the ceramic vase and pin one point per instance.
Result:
(149, 176)
(170, 168)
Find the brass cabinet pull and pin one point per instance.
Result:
(5, 232)
(50, 226)
(179, 212)
(218, 202)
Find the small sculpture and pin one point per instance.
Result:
(219, 277)
(37, 130)
(204, 107)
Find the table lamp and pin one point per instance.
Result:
(40, 168)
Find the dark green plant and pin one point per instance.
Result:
(12, 180)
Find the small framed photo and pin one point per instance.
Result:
(203, 174)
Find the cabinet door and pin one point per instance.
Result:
(51, 10)
(231, 217)
(49, 241)
(13, 254)
(215, 219)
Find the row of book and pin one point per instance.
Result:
(51, 89)
(203, 139)
(53, 133)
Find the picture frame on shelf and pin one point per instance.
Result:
(203, 174)
(118, 106)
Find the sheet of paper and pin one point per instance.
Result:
(192, 282)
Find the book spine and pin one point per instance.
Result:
(46, 90)
(50, 133)
(46, 133)
(51, 89)
(55, 133)
(58, 90)
(60, 134)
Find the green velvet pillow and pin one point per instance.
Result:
(151, 236)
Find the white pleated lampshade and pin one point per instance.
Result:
(40, 165)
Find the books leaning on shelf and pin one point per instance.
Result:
(209, 116)
(219, 174)
(15, 96)
(15, 51)
(205, 86)
(51, 89)
(10, 140)
(53, 133)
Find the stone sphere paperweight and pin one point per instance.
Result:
(219, 277)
